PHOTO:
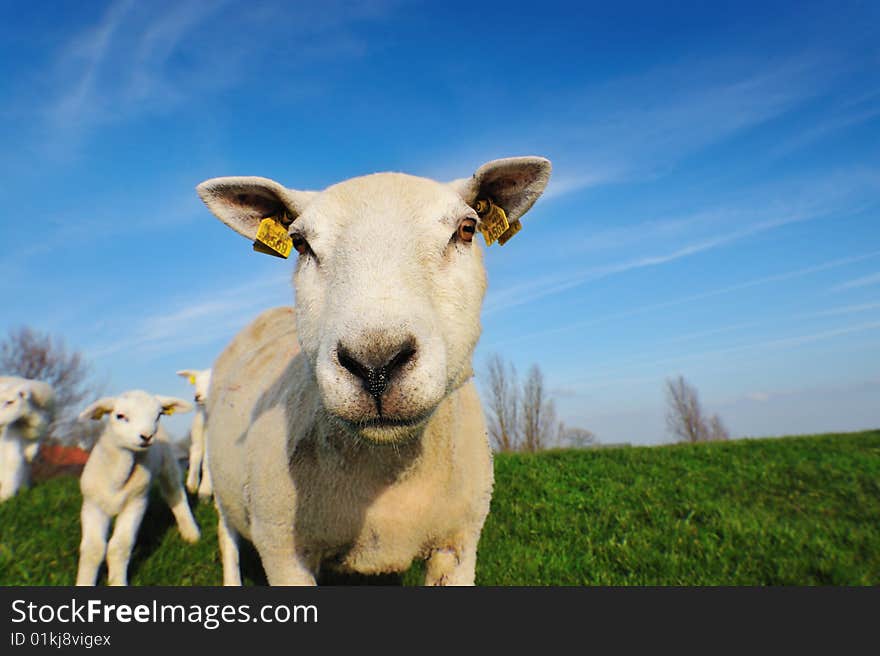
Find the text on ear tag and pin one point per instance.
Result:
(514, 228)
(493, 220)
(272, 238)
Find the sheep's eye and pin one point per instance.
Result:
(300, 244)
(466, 229)
(121, 417)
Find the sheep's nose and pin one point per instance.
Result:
(145, 439)
(377, 368)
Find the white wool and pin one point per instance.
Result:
(347, 433)
(198, 476)
(26, 410)
(131, 453)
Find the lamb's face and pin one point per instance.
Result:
(15, 403)
(389, 284)
(134, 417)
(200, 379)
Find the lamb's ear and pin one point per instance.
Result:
(514, 183)
(170, 405)
(189, 374)
(99, 408)
(42, 394)
(242, 202)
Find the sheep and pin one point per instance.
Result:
(198, 477)
(131, 452)
(346, 433)
(26, 411)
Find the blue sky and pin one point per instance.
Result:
(714, 209)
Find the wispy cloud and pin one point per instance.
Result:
(84, 56)
(865, 281)
(151, 58)
(186, 324)
(779, 277)
(612, 377)
(839, 311)
(834, 194)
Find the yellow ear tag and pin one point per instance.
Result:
(192, 380)
(169, 411)
(493, 220)
(272, 238)
(514, 228)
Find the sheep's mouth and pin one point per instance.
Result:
(386, 429)
(385, 422)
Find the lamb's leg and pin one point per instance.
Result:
(453, 565)
(31, 451)
(206, 487)
(93, 544)
(279, 555)
(172, 492)
(227, 537)
(196, 455)
(124, 535)
(15, 469)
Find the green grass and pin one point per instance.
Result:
(784, 511)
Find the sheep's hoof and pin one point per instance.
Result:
(190, 535)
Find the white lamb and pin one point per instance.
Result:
(368, 448)
(131, 452)
(26, 410)
(198, 476)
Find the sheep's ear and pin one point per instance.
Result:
(42, 394)
(99, 408)
(242, 202)
(189, 374)
(514, 184)
(170, 405)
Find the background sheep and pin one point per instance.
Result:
(368, 448)
(198, 477)
(132, 451)
(26, 411)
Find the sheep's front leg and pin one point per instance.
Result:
(196, 454)
(227, 537)
(452, 565)
(93, 544)
(14, 474)
(206, 487)
(124, 535)
(279, 556)
(172, 491)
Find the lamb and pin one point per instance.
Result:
(346, 433)
(132, 451)
(198, 477)
(26, 411)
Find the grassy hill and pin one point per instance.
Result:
(798, 510)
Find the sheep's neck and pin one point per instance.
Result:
(120, 462)
(13, 437)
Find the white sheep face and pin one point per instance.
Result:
(386, 279)
(134, 417)
(200, 379)
(15, 403)
(389, 283)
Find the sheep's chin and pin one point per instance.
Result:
(377, 432)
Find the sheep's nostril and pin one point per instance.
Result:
(376, 378)
(146, 438)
